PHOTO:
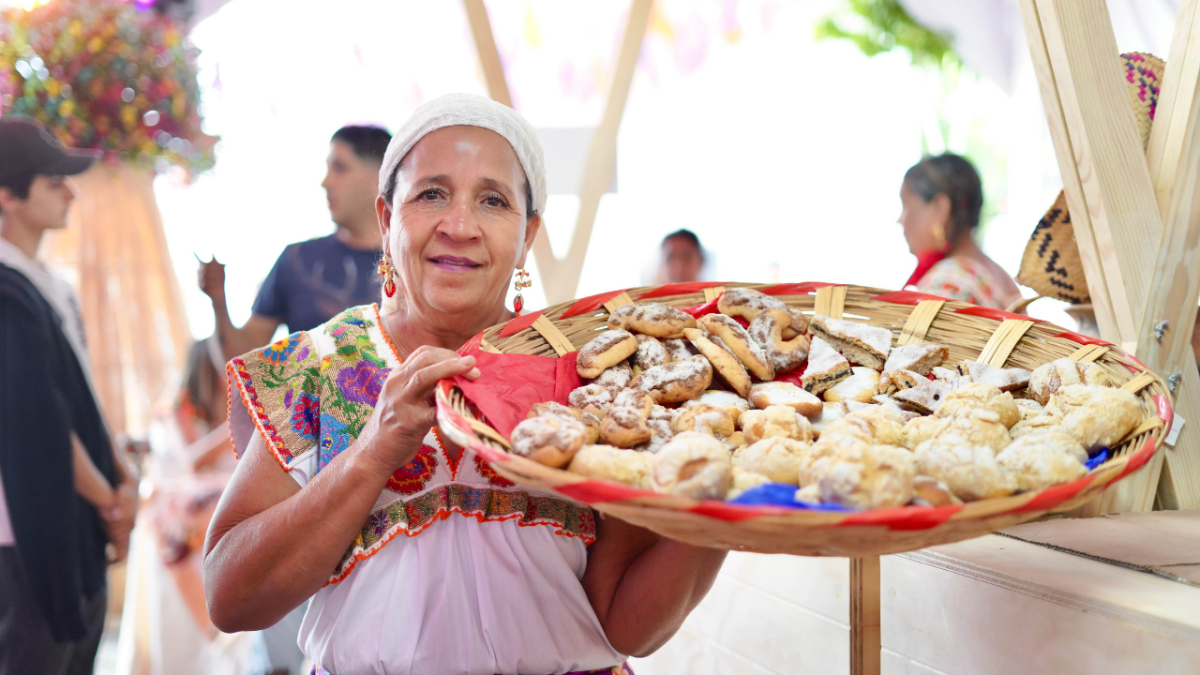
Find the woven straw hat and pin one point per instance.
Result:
(1051, 264)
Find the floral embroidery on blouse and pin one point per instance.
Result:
(303, 402)
(965, 280)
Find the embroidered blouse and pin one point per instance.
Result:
(456, 570)
(963, 279)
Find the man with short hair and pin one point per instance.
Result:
(682, 258)
(314, 280)
(64, 493)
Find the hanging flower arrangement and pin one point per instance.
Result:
(106, 75)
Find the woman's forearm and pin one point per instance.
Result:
(662, 586)
(259, 565)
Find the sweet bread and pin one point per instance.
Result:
(928, 397)
(767, 394)
(861, 343)
(722, 358)
(661, 431)
(604, 461)
(887, 401)
(851, 472)
(616, 376)
(829, 413)
(899, 380)
(725, 400)
(1046, 420)
(981, 395)
(592, 424)
(625, 424)
(969, 471)
(931, 492)
(1050, 377)
(736, 440)
(777, 420)
(593, 398)
(748, 303)
(678, 349)
(705, 419)
(979, 427)
(651, 318)
(1098, 416)
(1004, 379)
(919, 357)
(861, 386)
(732, 334)
(767, 332)
(605, 351)
(677, 381)
(826, 367)
(692, 465)
(551, 440)
(874, 423)
(650, 352)
(920, 429)
(776, 458)
(1040, 460)
(744, 480)
(660, 412)
(1028, 408)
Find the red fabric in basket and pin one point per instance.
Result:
(509, 385)
(1139, 458)
(907, 297)
(678, 289)
(599, 492)
(1053, 496)
(904, 517)
(1165, 412)
(1083, 339)
(698, 311)
(994, 314)
(590, 304)
(520, 323)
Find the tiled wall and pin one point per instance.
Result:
(765, 614)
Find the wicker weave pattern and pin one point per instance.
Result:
(965, 329)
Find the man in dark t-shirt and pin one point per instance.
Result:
(314, 280)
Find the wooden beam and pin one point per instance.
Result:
(1109, 158)
(865, 641)
(489, 55)
(1072, 183)
(561, 276)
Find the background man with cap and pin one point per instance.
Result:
(65, 495)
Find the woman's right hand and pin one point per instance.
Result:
(406, 409)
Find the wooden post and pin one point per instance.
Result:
(1114, 196)
(865, 642)
(489, 55)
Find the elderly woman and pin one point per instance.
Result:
(419, 558)
(942, 198)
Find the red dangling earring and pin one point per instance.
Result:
(388, 273)
(520, 283)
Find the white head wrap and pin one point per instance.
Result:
(469, 110)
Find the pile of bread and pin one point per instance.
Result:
(692, 407)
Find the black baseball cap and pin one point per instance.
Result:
(27, 149)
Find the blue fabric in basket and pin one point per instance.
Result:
(779, 494)
(1097, 459)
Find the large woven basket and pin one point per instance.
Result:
(970, 332)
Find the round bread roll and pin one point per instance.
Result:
(605, 351)
(882, 425)
(552, 408)
(920, 429)
(650, 352)
(750, 354)
(969, 470)
(766, 394)
(767, 332)
(983, 396)
(604, 461)
(625, 425)
(692, 465)
(705, 419)
(651, 318)
(1028, 408)
(776, 458)
(854, 473)
(1051, 420)
(592, 424)
(776, 420)
(677, 381)
(1096, 415)
(979, 427)
(931, 492)
(617, 376)
(1040, 460)
(593, 398)
(744, 480)
(551, 440)
(722, 358)
(1048, 378)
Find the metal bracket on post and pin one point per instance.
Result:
(1173, 381)
(1160, 328)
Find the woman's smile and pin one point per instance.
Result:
(454, 263)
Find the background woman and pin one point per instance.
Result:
(942, 198)
(455, 570)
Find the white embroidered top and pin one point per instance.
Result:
(456, 570)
